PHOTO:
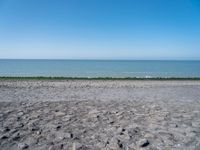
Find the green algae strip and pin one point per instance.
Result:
(96, 78)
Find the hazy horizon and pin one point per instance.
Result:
(93, 59)
(100, 29)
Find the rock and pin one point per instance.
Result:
(195, 124)
(143, 143)
(3, 137)
(20, 125)
(20, 113)
(67, 118)
(56, 147)
(58, 127)
(120, 129)
(62, 135)
(34, 128)
(124, 136)
(111, 121)
(38, 132)
(59, 114)
(149, 135)
(113, 144)
(100, 145)
(16, 137)
(77, 146)
(13, 131)
(71, 135)
(23, 146)
(132, 146)
(51, 148)
(35, 115)
(6, 129)
(7, 111)
(1, 115)
(120, 144)
(30, 140)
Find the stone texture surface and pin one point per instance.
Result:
(101, 124)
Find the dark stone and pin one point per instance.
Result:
(143, 143)
(123, 130)
(111, 122)
(120, 144)
(6, 129)
(58, 127)
(16, 138)
(4, 137)
(34, 129)
(23, 146)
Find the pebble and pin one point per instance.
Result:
(62, 135)
(77, 146)
(16, 137)
(23, 146)
(56, 147)
(3, 137)
(113, 144)
(6, 129)
(59, 114)
(143, 143)
(20, 113)
(1, 115)
(114, 129)
(38, 132)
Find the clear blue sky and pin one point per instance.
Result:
(100, 29)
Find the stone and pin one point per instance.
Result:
(66, 118)
(59, 114)
(20, 113)
(56, 147)
(35, 128)
(1, 115)
(58, 127)
(143, 143)
(38, 132)
(3, 137)
(23, 146)
(6, 129)
(132, 146)
(77, 146)
(113, 144)
(62, 135)
(16, 137)
(30, 140)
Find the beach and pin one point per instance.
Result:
(99, 114)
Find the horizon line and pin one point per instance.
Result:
(100, 59)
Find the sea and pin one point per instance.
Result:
(99, 68)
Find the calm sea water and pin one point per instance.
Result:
(100, 68)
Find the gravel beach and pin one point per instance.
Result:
(99, 115)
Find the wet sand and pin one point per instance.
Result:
(99, 114)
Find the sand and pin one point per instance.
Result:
(99, 115)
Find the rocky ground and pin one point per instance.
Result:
(100, 115)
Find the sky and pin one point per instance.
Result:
(100, 29)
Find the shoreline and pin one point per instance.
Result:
(95, 78)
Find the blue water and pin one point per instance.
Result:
(100, 68)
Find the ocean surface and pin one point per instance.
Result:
(100, 68)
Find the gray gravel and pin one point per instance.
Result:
(99, 115)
